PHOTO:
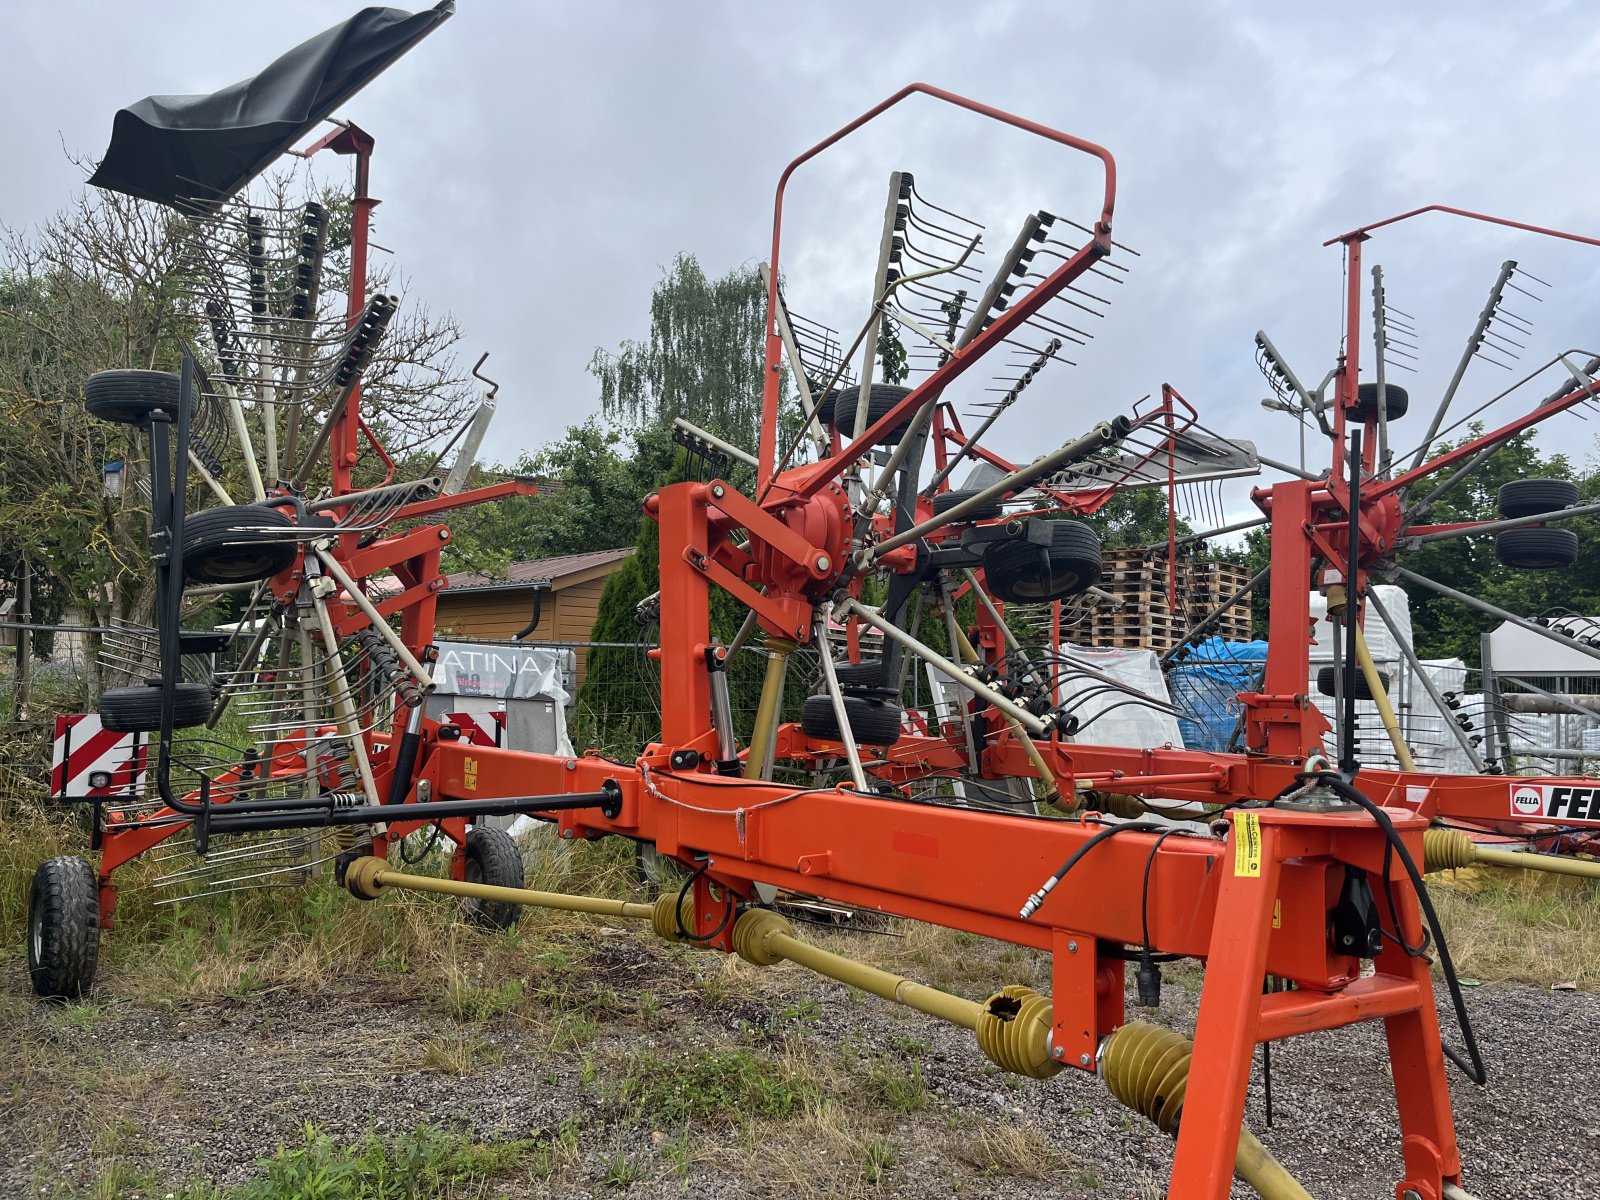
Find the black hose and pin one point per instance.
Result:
(1472, 1064)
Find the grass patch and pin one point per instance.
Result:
(458, 1053)
(1520, 926)
(426, 1164)
(1009, 1151)
(722, 1087)
(891, 1086)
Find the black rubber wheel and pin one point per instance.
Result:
(883, 397)
(237, 543)
(1366, 408)
(1535, 497)
(874, 722)
(660, 871)
(1325, 682)
(63, 928)
(945, 501)
(868, 673)
(493, 858)
(129, 397)
(137, 709)
(1536, 549)
(1021, 571)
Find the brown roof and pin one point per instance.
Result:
(542, 571)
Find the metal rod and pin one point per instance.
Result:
(1215, 615)
(836, 696)
(712, 439)
(1426, 680)
(341, 696)
(1100, 436)
(1450, 593)
(1033, 724)
(1484, 317)
(1486, 527)
(379, 625)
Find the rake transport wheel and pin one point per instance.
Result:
(945, 501)
(874, 722)
(137, 709)
(1327, 675)
(1536, 549)
(1022, 571)
(882, 398)
(1367, 402)
(237, 543)
(130, 397)
(1535, 497)
(868, 673)
(63, 928)
(493, 858)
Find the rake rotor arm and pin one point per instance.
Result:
(1098, 247)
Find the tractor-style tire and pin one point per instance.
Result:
(838, 410)
(1327, 675)
(493, 857)
(1536, 549)
(63, 928)
(237, 543)
(1366, 408)
(661, 871)
(868, 673)
(130, 397)
(945, 501)
(137, 709)
(873, 722)
(1019, 571)
(1535, 497)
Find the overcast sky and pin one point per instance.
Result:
(540, 163)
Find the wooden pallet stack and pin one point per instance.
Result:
(1140, 617)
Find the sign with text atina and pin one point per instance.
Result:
(1558, 801)
(503, 672)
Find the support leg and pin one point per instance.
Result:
(1230, 1013)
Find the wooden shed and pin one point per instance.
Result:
(474, 607)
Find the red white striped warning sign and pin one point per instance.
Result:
(88, 760)
(478, 730)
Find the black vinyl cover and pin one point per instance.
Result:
(194, 152)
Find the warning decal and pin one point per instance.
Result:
(1246, 844)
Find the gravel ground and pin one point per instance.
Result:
(207, 1087)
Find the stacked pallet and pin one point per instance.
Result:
(1140, 615)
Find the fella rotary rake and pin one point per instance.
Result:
(998, 815)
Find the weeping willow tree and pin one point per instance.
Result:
(703, 360)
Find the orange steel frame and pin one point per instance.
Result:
(1252, 902)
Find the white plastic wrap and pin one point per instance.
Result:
(1110, 717)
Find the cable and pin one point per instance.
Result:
(1034, 901)
(1472, 1065)
(677, 910)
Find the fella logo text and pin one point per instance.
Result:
(1557, 801)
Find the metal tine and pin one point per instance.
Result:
(906, 219)
(1085, 229)
(1059, 328)
(908, 181)
(1490, 333)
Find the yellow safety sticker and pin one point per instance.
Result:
(1277, 914)
(469, 774)
(1246, 844)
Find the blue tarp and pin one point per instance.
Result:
(1205, 687)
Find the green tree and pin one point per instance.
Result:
(704, 357)
(591, 484)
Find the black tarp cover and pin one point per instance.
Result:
(197, 151)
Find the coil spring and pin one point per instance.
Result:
(387, 663)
